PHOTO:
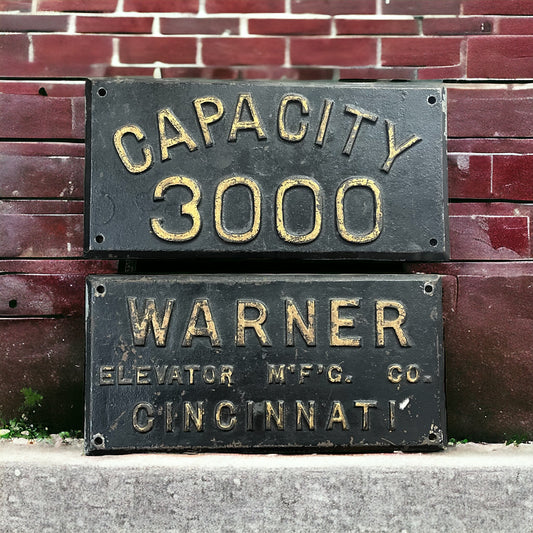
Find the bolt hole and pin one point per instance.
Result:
(432, 100)
(42, 91)
(433, 242)
(98, 441)
(432, 436)
(99, 239)
(100, 289)
(13, 303)
(102, 92)
(428, 288)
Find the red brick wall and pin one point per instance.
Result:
(482, 48)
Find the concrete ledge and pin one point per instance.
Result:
(467, 488)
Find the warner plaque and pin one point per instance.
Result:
(295, 363)
(180, 168)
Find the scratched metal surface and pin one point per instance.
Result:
(122, 204)
(164, 394)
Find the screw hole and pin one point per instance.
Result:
(428, 288)
(102, 92)
(13, 303)
(42, 91)
(100, 289)
(99, 239)
(432, 436)
(432, 100)
(433, 242)
(98, 440)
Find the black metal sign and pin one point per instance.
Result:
(241, 168)
(264, 362)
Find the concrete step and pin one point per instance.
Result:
(466, 488)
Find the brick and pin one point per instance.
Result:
(37, 149)
(129, 71)
(487, 146)
(15, 5)
(245, 6)
(420, 51)
(378, 73)
(515, 26)
(341, 51)
(40, 207)
(505, 7)
(455, 72)
(500, 57)
(469, 176)
(14, 52)
(513, 177)
(41, 117)
(72, 55)
(457, 25)
(43, 88)
(421, 7)
(23, 176)
(36, 23)
(243, 51)
(350, 26)
(51, 351)
(282, 73)
(114, 24)
(200, 25)
(161, 6)
(221, 73)
(334, 7)
(165, 49)
(289, 26)
(479, 112)
(94, 6)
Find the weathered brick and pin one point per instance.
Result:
(43, 88)
(82, 267)
(245, 6)
(41, 117)
(378, 73)
(420, 51)
(469, 176)
(515, 25)
(513, 177)
(217, 73)
(457, 25)
(502, 7)
(200, 25)
(129, 71)
(282, 73)
(290, 26)
(39, 148)
(114, 24)
(94, 6)
(161, 6)
(15, 5)
(14, 50)
(479, 112)
(334, 7)
(421, 7)
(243, 51)
(341, 51)
(350, 26)
(442, 73)
(149, 49)
(72, 55)
(41, 207)
(500, 57)
(36, 23)
(491, 145)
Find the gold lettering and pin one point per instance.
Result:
(412, 373)
(308, 415)
(392, 415)
(255, 323)
(395, 151)
(193, 330)
(134, 168)
(249, 415)
(276, 374)
(293, 316)
(226, 373)
(148, 410)
(336, 323)
(197, 416)
(190, 209)
(305, 372)
(225, 423)
(141, 375)
(209, 374)
(334, 373)
(378, 210)
(394, 373)
(239, 124)
(365, 405)
(204, 120)
(394, 324)
(280, 223)
(150, 317)
(278, 416)
(174, 374)
(106, 375)
(122, 380)
(304, 106)
(160, 372)
(359, 116)
(191, 369)
(337, 416)
(169, 419)
(321, 133)
(181, 137)
(222, 187)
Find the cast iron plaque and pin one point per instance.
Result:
(239, 168)
(331, 363)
